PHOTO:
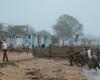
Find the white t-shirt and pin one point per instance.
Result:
(89, 53)
(4, 45)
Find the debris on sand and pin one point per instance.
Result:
(35, 74)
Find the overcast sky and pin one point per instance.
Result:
(42, 14)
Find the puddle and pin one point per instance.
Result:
(91, 74)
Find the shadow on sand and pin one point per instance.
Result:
(4, 64)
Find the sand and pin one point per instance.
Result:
(25, 67)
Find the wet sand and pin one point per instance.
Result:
(24, 67)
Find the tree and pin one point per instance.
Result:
(29, 29)
(67, 27)
(43, 38)
(20, 29)
(17, 29)
(43, 33)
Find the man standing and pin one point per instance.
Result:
(89, 54)
(94, 62)
(71, 58)
(83, 57)
(4, 47)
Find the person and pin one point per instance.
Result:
(77, 58)
(0, 45)
(23, 47)
(71, 58)
(82, 58)
(43, 45)
(89, 54)
(93, 63)
(26, 47)
(98, 56)
(5, 54)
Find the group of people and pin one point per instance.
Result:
(88, 57)
(83, 57)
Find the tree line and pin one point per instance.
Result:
(66, 28)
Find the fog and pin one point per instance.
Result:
(42, 14)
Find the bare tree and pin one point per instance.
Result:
(20, 29)
(67, 27)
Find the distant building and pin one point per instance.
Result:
(4, 27)
(3, 31)
(17, 35)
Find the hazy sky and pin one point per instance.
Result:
(42, 14)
